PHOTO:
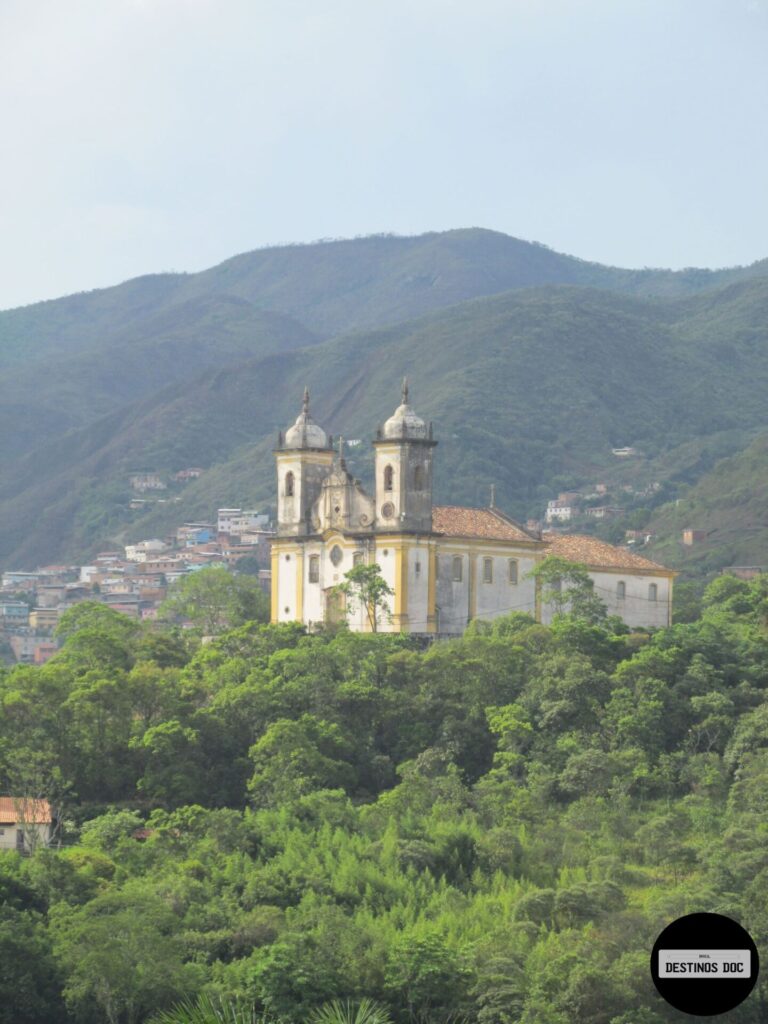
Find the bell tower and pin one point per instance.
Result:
(404, 448)
(304, 456)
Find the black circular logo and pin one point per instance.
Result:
(704, 964)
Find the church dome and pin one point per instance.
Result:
(305, 433)
(404, 422)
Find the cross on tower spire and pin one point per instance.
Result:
(405, 391)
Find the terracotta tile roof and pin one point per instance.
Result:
(489, 523)
(35, 812)
(596, 553)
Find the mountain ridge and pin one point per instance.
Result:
(528, 389)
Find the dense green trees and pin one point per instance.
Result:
(494, 828)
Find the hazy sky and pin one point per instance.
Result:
(150, 135)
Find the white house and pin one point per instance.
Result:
(24, 823)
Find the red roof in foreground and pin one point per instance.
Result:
(488, 523)
(593, 552)
(34, 812)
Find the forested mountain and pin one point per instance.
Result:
(527, 389)
(494, 830)
(74, 358)
(531, 364)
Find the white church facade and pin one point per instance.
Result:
(445, 565)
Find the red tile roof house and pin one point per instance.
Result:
(25, 823)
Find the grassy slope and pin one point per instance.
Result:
(524, 388)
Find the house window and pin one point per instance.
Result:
(358, 558)
(621, 590)
(389, 475)
(314, 568)
(653, 592)
(487, 570)
(289, 485)
(512, 570)
(457, 571)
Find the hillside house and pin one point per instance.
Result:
(24, 823)
(13, 614)
(44, 620)
(691, 537)
(147, 482)
(605, 512)
(558, 511)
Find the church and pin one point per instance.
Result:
(446, 565)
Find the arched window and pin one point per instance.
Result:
(418, 479)
(621, 590)
(389, 474)
(314, 568)
(456, 569)
(653, 592)
(289, 485)
(512, 570)
(487, 570)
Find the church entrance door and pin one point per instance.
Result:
(335, 606)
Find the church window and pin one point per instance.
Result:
(314, 568)
(653, 592)
(512, 569)
(621, 590)
(358, 558)
(457, 570)
(336, 554)
(418, 479)
(487, 570)
(289, 485)
(389, 475)
(417, 568)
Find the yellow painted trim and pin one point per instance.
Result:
(300, 585)
(432, 591)
(537, 601)
(274, 596)
(472, 586)
(400, 586)
(669, 601)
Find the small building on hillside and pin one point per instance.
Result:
(13, 614)
(691, 537)
(24, 823)
(605, 512)
(558, 511)
(147, 482)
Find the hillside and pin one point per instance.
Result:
(729, 505)
(530, 389)
(67, 362)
